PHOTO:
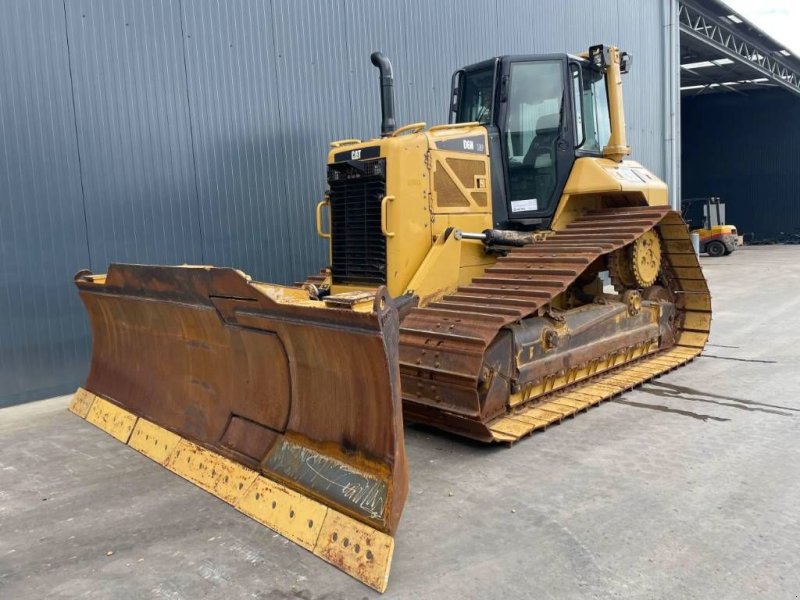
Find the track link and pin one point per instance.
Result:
(443, 345)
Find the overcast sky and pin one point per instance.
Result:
(778, 18)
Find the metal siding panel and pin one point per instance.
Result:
(640, 34)
(133, 131)
(203, 125)
(238, 136)
(461, 44)
(43, 333)
(426, 43)
(314, 101)
(370, 27)
(427, 84)
(538, 27)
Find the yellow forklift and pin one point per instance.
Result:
(716, 238)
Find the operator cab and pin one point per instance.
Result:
(541, 113)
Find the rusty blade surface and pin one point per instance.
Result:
(305, 394)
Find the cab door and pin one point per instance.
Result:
(535, 118)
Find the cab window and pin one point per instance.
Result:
(533, 126)
(593, 122)
(477, 88)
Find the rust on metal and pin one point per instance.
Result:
(462, 381)
(258, 375)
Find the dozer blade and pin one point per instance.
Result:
(287, 408)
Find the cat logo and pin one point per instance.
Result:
(355, 155)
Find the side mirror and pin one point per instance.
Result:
(455, 94)
(597, 56)
(625, 62)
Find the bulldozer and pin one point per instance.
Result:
(488, 277)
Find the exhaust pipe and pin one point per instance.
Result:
(388, 124)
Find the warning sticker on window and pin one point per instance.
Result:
(524, 205)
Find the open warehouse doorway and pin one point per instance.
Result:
(740, 122)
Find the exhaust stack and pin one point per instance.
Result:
(388, 124)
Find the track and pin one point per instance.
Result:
(443, 345)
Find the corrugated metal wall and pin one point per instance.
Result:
(744, 149)
(43, 337)
(172, 131)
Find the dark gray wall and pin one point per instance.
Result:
(43, 337)
(744, 149)
(169, 131)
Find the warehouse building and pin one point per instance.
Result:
(156, 131)
(740, 113)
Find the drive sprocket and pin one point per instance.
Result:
(637, 265)
(645, 256)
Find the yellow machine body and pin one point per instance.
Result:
(430, 190)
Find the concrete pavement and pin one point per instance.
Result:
(685, 488)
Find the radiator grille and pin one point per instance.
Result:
(358, 248)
